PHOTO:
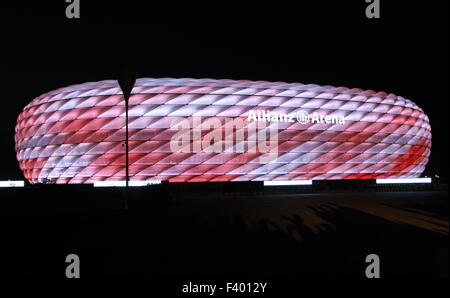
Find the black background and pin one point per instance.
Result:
(405, 52)
(181, 232)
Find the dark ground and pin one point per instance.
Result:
(222, 234)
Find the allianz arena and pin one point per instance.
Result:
(188, 130)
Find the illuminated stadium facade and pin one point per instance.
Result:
(188, 130)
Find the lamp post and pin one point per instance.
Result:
(127, 78)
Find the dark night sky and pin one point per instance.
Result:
(322, 42)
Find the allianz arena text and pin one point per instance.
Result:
(197, 130)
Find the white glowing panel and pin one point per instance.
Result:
(12, 183)
(123, 183)
(403, 180)
(292, 182)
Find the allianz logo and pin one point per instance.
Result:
(301, 117)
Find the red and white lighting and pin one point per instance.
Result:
(188, 130)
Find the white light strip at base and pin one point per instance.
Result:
(123, 184)
(292, 182)
(403, 180)
(19, 183)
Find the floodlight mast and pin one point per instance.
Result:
(127, 79)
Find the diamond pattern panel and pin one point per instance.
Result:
(76, 134)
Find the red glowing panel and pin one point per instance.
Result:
(220, 130)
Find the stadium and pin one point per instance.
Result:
(205, 130)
